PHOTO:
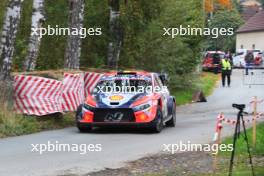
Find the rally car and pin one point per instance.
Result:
(128, 98)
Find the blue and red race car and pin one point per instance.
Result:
(128, 98)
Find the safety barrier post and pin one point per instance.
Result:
(217, 139)
(255, 101)
(219, 128)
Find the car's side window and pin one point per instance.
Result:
(155, 81)
(158, 81)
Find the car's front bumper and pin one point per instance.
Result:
(116, 116)
(115, 124)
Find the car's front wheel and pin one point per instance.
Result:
(172, 121)
(158, 122)
(85, 129)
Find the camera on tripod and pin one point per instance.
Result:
(240, 107)
(240, 118)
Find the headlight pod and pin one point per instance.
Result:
(142, 107)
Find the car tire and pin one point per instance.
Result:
(78, 113)
(157, 125)
(85, 129)
(172, 121)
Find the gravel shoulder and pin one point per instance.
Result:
(186, 163)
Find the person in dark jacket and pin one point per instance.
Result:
(249, 58)
(229, 56)
(216, 62)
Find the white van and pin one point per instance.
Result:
(239, 58)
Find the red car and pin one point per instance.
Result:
(258, 59)
(212, 59)
(148, 105)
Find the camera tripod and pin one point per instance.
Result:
(240, 118)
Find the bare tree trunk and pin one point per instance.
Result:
(34, 41)
(8, 37)
(73, 48)
(115, 44)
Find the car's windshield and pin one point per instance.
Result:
(216, 55)
(116, 84)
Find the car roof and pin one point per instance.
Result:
(218, 52)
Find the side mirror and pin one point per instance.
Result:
(164, 78)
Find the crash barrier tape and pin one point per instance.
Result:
(36, 95)
(40, 96)
(218, 128)
(233, 122)
(73, 91)
(221, 118)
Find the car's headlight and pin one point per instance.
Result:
(142, 107)
(88, 107)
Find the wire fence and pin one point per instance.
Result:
(255, 76)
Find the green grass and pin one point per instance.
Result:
(240, 170)
(12, 124)
(183, 96)
(241, 147)
(23, 33)
(206, 82)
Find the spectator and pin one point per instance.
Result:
(229, 56)
(226, 71)
(249, 58)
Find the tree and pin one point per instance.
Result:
(208, 6)
(73, 48)
(116, 35)
(227, 4)
(178, 56)
(11, 21)
(225, 19)
(35, 39)
(262, 2)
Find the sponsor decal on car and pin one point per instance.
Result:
(116, 97)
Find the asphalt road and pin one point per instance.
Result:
(195, 123)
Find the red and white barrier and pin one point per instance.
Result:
(233, 122)
(41, 96)
(73, 91)
(218, 127)
(36, 95)
(90, 81)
